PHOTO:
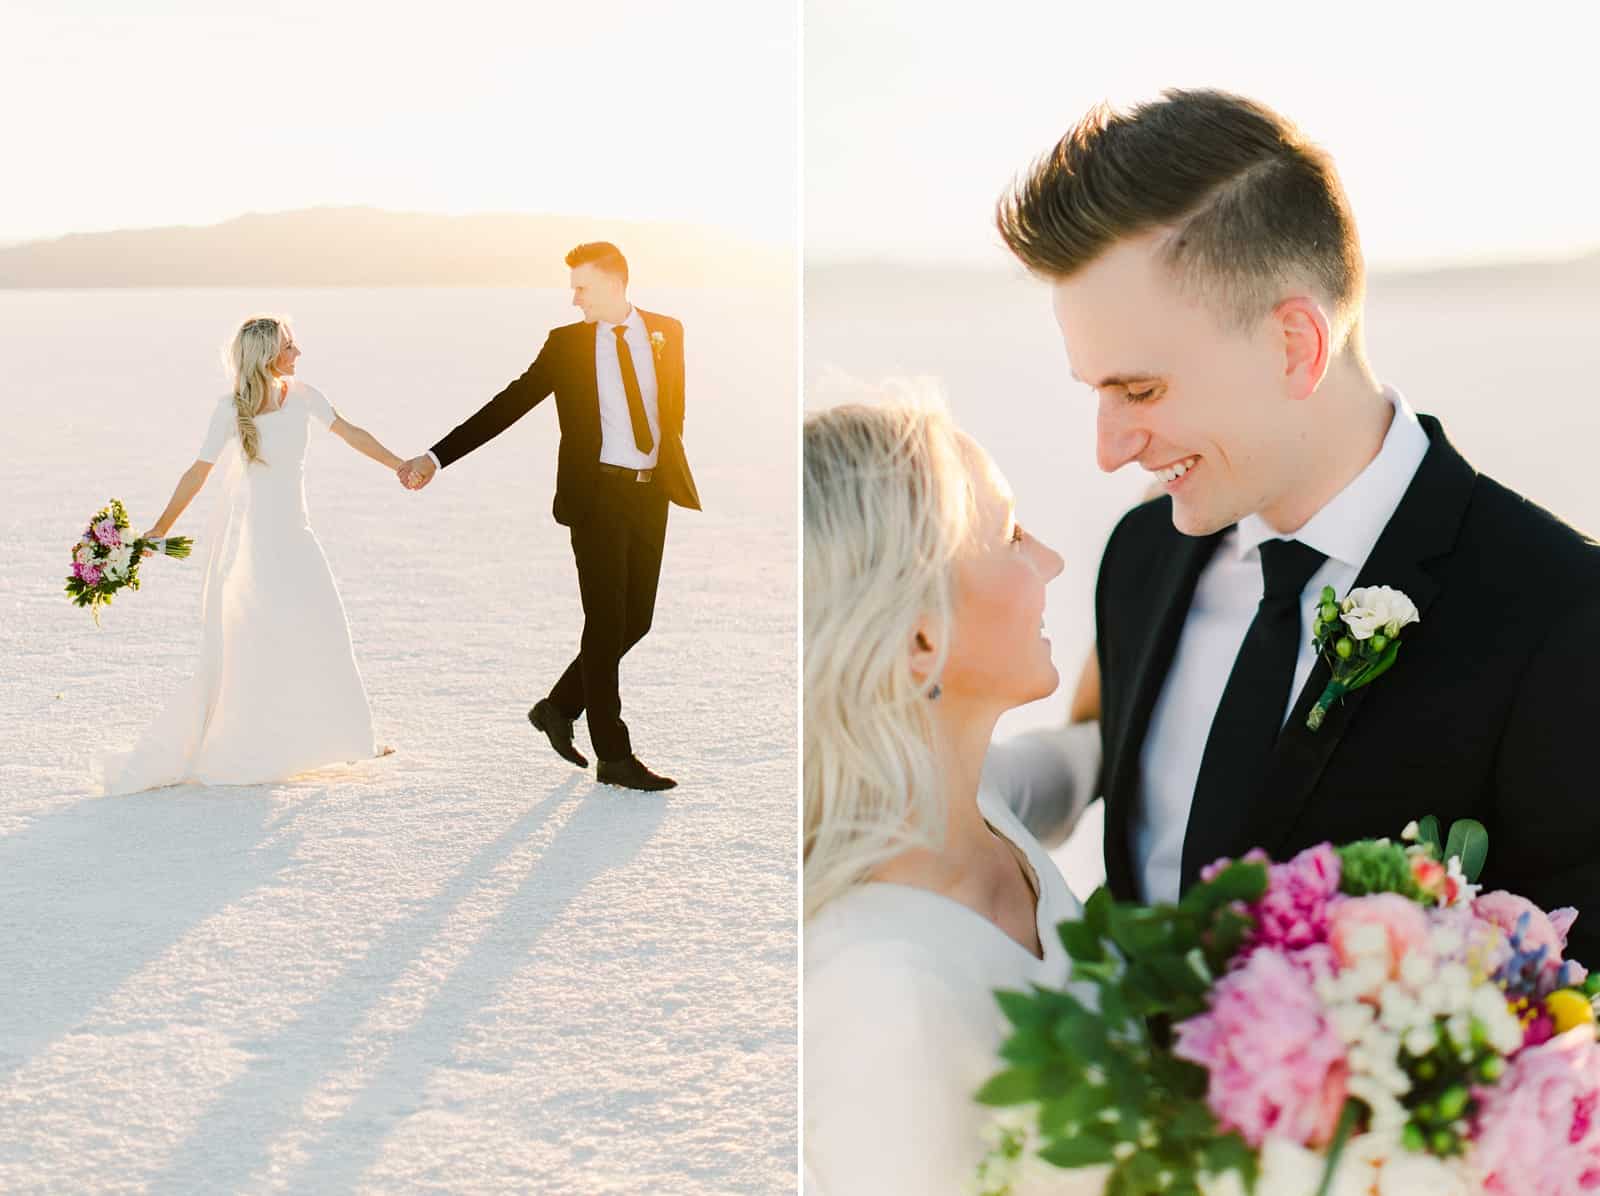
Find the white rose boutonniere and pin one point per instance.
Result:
(1360, 637)
(658, 344)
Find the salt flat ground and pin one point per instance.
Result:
(1506, 359)
(466, 968)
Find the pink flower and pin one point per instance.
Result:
(1276, 1064)
(106, 532)
(88, 574)
(1537, 1131)
(1401, 919)
(1293, 912)
(1505, 909)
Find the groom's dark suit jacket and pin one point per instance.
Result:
(1487, 712)
(565, 367)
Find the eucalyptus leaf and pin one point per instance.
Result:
(1428, 832)
(1470, 841)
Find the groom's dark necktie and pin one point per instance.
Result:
(1250, 714)
(642, 439)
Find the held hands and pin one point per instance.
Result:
(417, 472)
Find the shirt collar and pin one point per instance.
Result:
(1348, 526)
(630, 321)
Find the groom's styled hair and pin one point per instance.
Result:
(1252, 204)
(603, 254)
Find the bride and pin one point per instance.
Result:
(923, 893)
(276, 690)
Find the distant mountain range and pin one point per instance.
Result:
(369, 247)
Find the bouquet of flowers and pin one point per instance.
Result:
(1361, 1019)
(106, 558)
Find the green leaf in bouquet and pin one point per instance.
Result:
(1104, 972)
(1022, 1009)
(1242, 880)
(1030, 1045)
(1138, 931)
(1228, 931)
(1083, 1034)
(1179, 975)
(1191, 1120)
(1470, 841)
(1013, 1086)
(1428, 833)
(1081, 941)
(1230, 1152)
(1086, 1148)
(1081, 1105)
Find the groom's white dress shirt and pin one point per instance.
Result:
(617, 446)
(1225, 601)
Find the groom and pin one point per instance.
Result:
(618, 381)
(1208, 283)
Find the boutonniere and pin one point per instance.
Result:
(1359, 637)
(658, 344)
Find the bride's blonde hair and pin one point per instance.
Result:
(249, 359)
(888, 504)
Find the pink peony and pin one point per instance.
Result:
(1506, 909)
(1401, 918)
(88, 574)
(1276, 1064)
(106, 532)
(1293, 912)
(1538, 1130)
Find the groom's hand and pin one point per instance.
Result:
(417, 472)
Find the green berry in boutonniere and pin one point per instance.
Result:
(1359, 637)
(658, 344)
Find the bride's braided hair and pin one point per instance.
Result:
(249, 357)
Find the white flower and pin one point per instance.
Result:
(1419, 1040)
(117, 562)
(1412, 833)
(1406, 1174)
(1375, 608)
(84, 553)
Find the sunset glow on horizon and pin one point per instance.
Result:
(184, 113)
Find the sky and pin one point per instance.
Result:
(191, 112)
(1459, 137)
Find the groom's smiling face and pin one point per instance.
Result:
(1207, 410)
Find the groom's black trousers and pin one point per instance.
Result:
(617, 546)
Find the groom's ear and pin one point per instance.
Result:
(1306, 338)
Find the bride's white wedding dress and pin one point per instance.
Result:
(901, 1026)
(276, 690)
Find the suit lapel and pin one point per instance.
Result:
(666, 381)
(1172, 586)
(586, 369)
(1423, 528)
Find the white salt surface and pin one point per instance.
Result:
(1504, 361)
(466, 968)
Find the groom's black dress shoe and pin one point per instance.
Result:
(558, 729)
(630, 774)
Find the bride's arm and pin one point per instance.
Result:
(188, 486)
(364, 442)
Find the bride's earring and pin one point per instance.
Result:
(933, 694)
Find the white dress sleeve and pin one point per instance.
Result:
(1047, 776)
(892, 1060)
(223, 425)
(321, 409)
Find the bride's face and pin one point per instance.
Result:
(283, 363)
(998, 651)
